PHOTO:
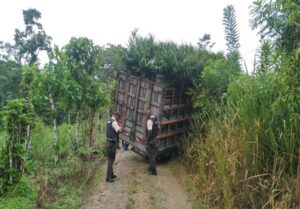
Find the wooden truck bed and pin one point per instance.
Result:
(134, 96)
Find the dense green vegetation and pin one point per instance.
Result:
(243, 149)
(247, 152)
(49, 118)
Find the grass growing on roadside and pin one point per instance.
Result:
(222, 175)
(23, 196)
(245, 151)
(63, 183)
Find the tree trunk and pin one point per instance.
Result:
(70, 132)
(28, 111)
(28, 127)
(10, 159)
(96, 129)
(55, 135)
(27, 138)
(55, 140)
(91, 128)
(77, 130)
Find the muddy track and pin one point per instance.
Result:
(135, 189)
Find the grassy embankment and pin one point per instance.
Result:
(47, 185)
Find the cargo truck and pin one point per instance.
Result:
(135, 96)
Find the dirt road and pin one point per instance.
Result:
(134, 188)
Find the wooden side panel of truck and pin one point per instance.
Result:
(134, 96)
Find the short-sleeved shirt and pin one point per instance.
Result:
(115, 125)
(150, 123)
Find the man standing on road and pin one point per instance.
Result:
(112, 134)
(152, 141)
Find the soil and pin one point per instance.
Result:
(134, 188)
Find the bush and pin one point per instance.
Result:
(21, 196)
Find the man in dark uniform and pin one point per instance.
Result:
(112, 135)
(152, 141)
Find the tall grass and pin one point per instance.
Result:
(271, 131)
(246, 154)
(215, 157)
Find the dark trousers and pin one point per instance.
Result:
(125, 145)
(152, 152)
(111, 155)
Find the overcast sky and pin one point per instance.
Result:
(111, 21)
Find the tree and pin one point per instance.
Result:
(113, 62)
(231, 31)
(205, 42)
(82, 59)
(265, 57)
(279, 21)
(97, 98)
(48, 91)
(28, 76)
(29, 43)
(10, 74)
(232, 38)
(18, 116)
(212, 84)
